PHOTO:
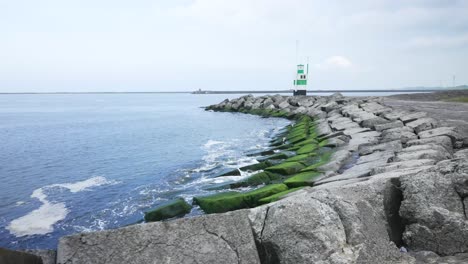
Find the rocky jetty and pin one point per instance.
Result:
(352, 180)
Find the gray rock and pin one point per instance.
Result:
(316, 113)
(411, 117)
(343, 124)
(386, 146)
(461, 154)
(402, 165)
(429, 153)
(329, 107)
(335, 142)
(357, 171)
(376, 156)
(328, 226)
(283, 105)
(375, 108)
(8, 256)
(217, 238)
(359, 139)
(306, 102)
(442, 131)
(355, 130)
(404, 134)
(371, 123)
(443, 141)
(423, 124)
(47, 256)
(337, 160)
(395, 115)
(385, 126)
(332, 135)
(323, 129)
(434, 210)
(396, 174)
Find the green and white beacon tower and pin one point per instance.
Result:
(300, 83)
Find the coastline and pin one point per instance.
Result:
(379, 155)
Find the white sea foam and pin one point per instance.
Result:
(210, 143)
(41, 220)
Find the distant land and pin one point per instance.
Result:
(200, 91)
(407, 89)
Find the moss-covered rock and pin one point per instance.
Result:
(278, 196)
(229, 201)
(264, 177)
(173, 208)
(302, 179)
(307, 149)
(286, 168)
(277, 156)
(323, 159)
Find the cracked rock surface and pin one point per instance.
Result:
(219, 238)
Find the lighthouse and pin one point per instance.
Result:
(300, 83)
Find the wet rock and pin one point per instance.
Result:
(386, 146)
(385, 126)
(434, 210)
(177, 207)
(189, 240)
(423, 124)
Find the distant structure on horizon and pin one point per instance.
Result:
(300, 83)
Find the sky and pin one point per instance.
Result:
(182, 45)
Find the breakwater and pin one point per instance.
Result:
(351, 181)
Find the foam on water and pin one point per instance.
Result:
(41, 220)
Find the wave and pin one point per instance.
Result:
(41, 220)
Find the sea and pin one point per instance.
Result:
(74, 163)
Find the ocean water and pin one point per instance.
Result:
(85, 162)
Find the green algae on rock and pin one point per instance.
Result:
(278, 196)
(228, 201)
(306, 178)
(173, 208)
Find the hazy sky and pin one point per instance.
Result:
(174, 45)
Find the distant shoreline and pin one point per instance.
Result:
(243, 92)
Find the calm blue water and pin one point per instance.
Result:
(73, 163)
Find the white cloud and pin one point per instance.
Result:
(335, 62)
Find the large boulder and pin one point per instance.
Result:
(433, 206)
(330, 225)
(220, 238)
